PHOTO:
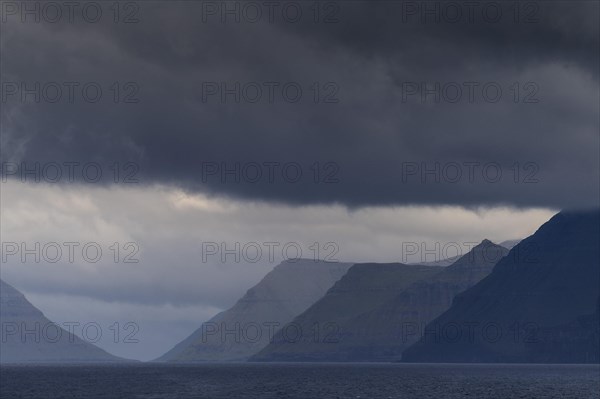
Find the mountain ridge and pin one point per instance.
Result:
(534, 299)
(29, 337)
(242, 330)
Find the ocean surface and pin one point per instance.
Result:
(284, 380)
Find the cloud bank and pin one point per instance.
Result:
(360, 104)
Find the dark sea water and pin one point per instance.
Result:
(300, 381)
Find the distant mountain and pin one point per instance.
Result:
(539, 305)
(241, 331)
(376, 311)
(441, 262)
(315, 334)
(509, 244)
(28, 336)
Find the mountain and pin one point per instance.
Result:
(241, 331)
(28, 336)
(539, 305)
(509, 244)
(441, 262)
(367, 327)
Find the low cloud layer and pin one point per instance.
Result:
(177, 282)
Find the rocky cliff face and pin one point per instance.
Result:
(540, 304)
(379, 329)
(327, 325)
(244, 329)
(28, 336)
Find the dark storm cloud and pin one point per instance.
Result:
(370, 145)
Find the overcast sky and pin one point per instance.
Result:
(364, 128)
